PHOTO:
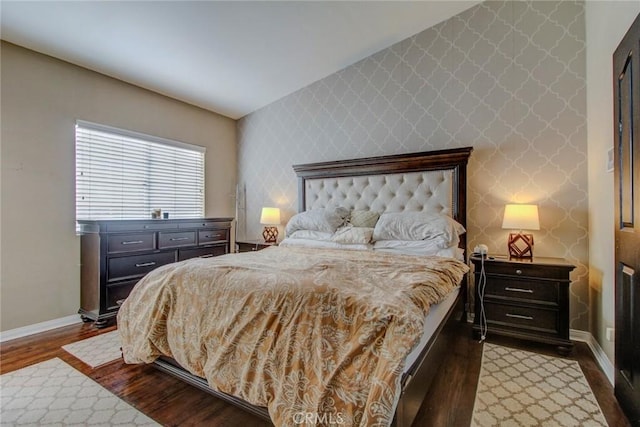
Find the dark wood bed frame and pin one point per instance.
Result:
(417, 379)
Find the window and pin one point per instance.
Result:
(125, 175)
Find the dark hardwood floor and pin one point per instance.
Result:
(173, 403)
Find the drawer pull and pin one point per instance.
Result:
(519, 316)
(120, 301)
(206, 256)
(145, 264)
(518, 271)
(132, 242)
(177, 239)
(526, 291)
(213, 236)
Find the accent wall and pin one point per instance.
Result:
(506, 77)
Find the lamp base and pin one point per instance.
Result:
(270, 234)
(520, 245)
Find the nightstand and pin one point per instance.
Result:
(252, 245)
(526, 299)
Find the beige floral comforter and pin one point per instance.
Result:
(313, 334)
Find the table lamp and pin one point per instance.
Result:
(520, 217)
(270, 217)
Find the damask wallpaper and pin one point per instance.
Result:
(505, 77)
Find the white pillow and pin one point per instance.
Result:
(311, 235)
(352, 235)
(309, 243)
(452, 252)
(322, 219)
(430, 245)
(443, 229)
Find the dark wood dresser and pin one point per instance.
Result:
(115, 254)
(526, 299)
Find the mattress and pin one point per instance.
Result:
(436, 314)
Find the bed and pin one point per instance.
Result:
(396, 359)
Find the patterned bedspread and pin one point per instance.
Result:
(316, 334)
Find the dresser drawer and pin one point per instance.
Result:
(116, 294)
(130, 267)
(211, 236)
(199, 224)
(133, 226)
(205, 252)
(119, 243)
(176, 239)
(526, 290)
(525, 270)
(534, 319)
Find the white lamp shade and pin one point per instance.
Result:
(270, 216)
(521, 217)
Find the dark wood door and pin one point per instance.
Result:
(626, 81)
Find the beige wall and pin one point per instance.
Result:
(41, 99)
(606, 24)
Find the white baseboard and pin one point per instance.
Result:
(601, 357)
(39, 327)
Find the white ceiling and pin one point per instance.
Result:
(231, 57)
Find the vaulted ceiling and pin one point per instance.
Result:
(231, 57)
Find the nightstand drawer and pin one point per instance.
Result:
(177, 239)
(526, 270)
(210, 236)
(130, 267)
(120, 243)
(534, 319)
(523, 290)
(253, 245)
(205, 252)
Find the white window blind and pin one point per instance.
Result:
(125, 175)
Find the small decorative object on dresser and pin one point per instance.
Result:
(520, 217)
(252, 245)
(526, 299)
(115, 254)
(270, 217)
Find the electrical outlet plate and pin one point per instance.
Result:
(610, 160)
(610, 334)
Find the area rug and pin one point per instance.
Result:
(519, 388)
(97, 351)
(54, 393)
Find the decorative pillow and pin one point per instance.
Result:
(418, 226)
(322, 219)
(352, 235)
(361, 218)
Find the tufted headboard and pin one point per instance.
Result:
(426, 181)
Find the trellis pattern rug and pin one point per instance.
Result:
(97, 351)
(520, 388)
(54, 393)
